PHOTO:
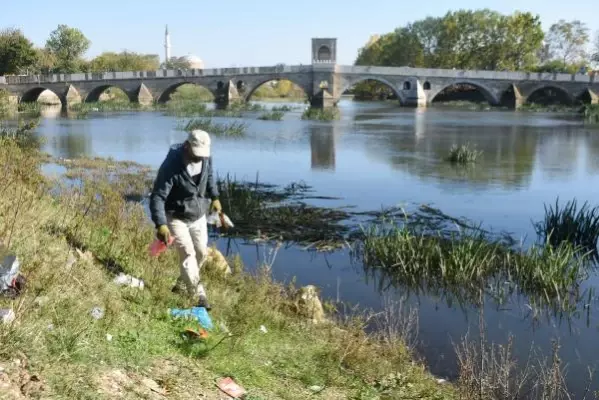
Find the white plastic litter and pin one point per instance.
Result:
(215, 219)
(97, 313)
(263, 329)
(109, 337)
(8, 271)
(128, 280)
(7, 315)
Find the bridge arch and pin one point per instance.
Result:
(94, 95)
(32, 95)
(169, 91)
(487, 92)
(553, 93)
(250, 87)
(348, 85)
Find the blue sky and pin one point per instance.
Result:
(252, 33)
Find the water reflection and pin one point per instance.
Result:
(322, 146)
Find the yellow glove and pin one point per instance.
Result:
(216, 206)
(164, 234)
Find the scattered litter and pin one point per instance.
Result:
(219, 220)
(316, 388)
(128, 280)
(109, 337)
(263, 329)
(228, 386)
(7, 315)
(223, 327)
(50, 327)
(201, 333)
(97, 313)
(12, 283)
(441, 381)
(158, 247)
(198, 313)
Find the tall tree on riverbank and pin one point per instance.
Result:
(567, 41)
(481, 39)
(17, 54)
(595, 57)
(68, 45)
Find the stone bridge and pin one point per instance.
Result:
(322, 80)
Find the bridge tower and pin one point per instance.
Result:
(324, 60)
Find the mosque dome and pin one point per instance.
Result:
(194, 62)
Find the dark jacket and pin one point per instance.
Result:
(176, 194)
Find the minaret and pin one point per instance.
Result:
(167, 45)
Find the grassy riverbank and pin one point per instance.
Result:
(71, 244)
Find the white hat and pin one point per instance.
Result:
(199, 142)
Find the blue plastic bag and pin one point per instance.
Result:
(199, 313)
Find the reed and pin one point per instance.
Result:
(325, 114)
(571, 224)
(464, 154)
(272, 116)
(206, 124)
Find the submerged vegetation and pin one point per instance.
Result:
(206, 124)
(325, 114)
(463, 263)
(464, 154)
(272, 116)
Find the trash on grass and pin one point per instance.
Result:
(199, 313)
(97, 313)
(7, 315)
(219, 220)
(228, 386)
(12, 283)
(316, 388)
(128, 280)
(158, 247)
(263, 329)
(109, 337)
(200, 333)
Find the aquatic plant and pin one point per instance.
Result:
(464, 154)
(324, 114)
(591, 113)
(245, 106)
(570, 224)
(468, 260)
(272, 116)
(115, 105)
(206, 124)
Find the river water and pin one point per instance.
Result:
(378, 155)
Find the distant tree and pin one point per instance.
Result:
(124, 61)
(595, 57)
(68, 46)
(45, 61)
(17, 54)
(176, 63)
(567, 41)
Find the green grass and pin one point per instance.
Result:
(326, 114)
(206, 124)
(464, 154)
(570, 224)
(69, 351)
(464, 263)
(272, 116)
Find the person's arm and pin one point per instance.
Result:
(211, 187)
(161, 190)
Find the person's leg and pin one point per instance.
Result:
(184, 243)
(199, 235)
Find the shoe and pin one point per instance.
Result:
(203, 302)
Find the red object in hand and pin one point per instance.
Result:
(158, 247)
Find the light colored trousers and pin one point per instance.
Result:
(191, 242)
